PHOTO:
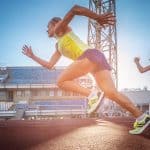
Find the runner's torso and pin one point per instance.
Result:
(71, 46)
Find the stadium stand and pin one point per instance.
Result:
(37, 86)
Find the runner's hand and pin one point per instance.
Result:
(136, 59)
(106, 19)
(27, 50)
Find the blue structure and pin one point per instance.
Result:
(34, 90)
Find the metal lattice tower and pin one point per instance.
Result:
(104, 39)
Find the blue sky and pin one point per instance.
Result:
(25, 22)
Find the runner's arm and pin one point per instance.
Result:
(103, 19)
(143, 69)
(140, 67)
(47, 64)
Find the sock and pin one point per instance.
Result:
(140, 118)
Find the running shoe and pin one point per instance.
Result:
(140, 126)
(94, 101)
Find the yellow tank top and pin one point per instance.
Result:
(71, 46)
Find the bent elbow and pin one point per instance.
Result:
(47, 66)
(76, 9)
(76, 6)
(141, 70)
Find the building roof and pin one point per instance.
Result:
(31, 75)
(139, 97)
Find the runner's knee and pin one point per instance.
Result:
(60, 83)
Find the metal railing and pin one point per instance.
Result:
(4, 106)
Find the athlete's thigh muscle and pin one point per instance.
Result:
(76, 69)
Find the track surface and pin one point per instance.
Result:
(72, 134)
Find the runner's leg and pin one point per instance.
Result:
(75, 70)
(104, 80)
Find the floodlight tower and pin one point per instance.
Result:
(104, 39)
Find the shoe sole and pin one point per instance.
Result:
(96, 105)
(142, 129)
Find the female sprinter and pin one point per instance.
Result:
(86, 60)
